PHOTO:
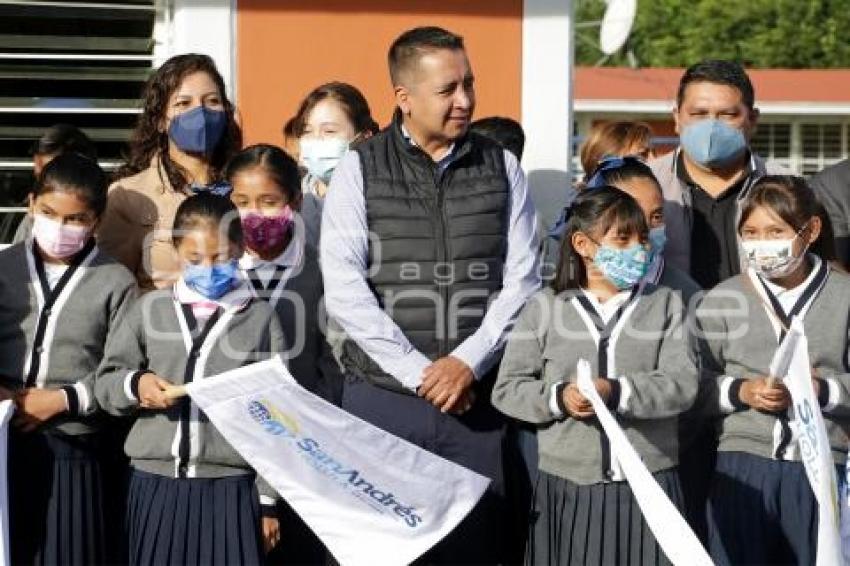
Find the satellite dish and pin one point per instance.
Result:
(616, 25)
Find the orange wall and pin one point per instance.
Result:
(285, 48)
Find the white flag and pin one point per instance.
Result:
(672, 532)
(813, 442)
(371, 497)
(6, 410)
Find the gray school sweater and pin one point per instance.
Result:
(180, 441)
(648, 356)
(300, 309)
(738, 341)
(58, 342)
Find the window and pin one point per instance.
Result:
(82, 63)
(805, 147)
(821, 145)
(773, 141)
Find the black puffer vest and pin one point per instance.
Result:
(437, 242)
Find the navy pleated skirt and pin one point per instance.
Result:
(56, 499)
(201, 521)
(593, 524)
(761, 511)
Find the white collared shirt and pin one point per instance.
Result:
(607, 309)
(236, 297)
(788, 297)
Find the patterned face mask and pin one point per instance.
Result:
(622, 267)
(773, 258)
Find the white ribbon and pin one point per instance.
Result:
(810, 430)
(672, 532)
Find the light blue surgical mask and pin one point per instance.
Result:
(657, 241)
(712, 143)
(321, 156)
(211, 282)
(622, 267)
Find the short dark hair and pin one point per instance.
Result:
(506, 132)
(64, 138)
(591, 212)
(278, 165)
(77, 174)
(412, 44)
(721, 72)
(207, 209)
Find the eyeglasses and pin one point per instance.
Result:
(610, 163)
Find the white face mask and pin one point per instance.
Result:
(772, 258)
(322, 155)
(58, 240)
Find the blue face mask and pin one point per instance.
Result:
(657, 241)
(211, 282)
(623, 268)
(713, 143)
(198, 130)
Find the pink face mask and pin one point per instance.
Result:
(264, 233)
(58, 240)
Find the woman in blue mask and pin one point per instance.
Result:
(329, 119)
(192, 498)
(183, 138)
(599, 308)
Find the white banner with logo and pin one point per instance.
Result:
(672, 532)
(810, 431)
(371, 497)
(6, 410)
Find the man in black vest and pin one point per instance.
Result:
(428, 252)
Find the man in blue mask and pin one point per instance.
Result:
(711, 171)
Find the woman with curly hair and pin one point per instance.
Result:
(184, 136)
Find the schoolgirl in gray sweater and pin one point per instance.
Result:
(282, 269)
(599, 308)
(60, 297)
(280, 265)
(192, 498)
(761, 507)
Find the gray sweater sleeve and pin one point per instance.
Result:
(121, 300)
(671, 388)
(712, 333)
(116, 386)
(520, 390)
(834, 394)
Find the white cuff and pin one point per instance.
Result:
(726, 405)
(416, 363)
(834, 395)
(84, 399)
(625, 394)
(466, 352)
(266, 500)
(67, 404)
(553, 401)
(128, 391)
